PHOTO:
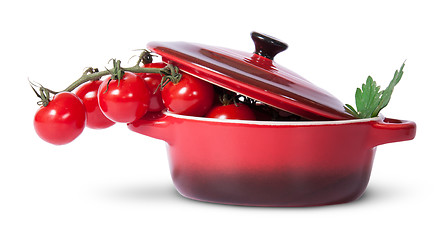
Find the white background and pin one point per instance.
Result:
(115, 184)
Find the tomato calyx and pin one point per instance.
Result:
(145, 57)
(90, 70)
(116, 72)
(171, 74)
(42, 93)
(227, 97)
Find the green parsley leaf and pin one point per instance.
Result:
(369, 100)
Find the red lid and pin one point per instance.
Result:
(254, 75)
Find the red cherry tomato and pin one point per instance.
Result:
(190, 96)
(62, 120)
(88, 95)
(153, 80)
(232, 111)
(124, 101)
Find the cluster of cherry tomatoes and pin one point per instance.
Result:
(100, 104)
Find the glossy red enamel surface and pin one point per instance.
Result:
(254, 76)
(271, 163)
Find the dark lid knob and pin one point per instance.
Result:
(267, 46)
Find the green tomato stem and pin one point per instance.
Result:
(170, 73)
(97, 75)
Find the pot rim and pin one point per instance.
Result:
(273, 123)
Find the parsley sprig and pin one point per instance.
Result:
(369, 100)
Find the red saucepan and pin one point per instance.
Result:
(266, 163)
(325, 160)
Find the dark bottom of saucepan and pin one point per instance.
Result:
(275, 190)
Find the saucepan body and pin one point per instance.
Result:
(269, 163)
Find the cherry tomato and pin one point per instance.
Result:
(232, 111)
(124, 101)
(88, 95)
(62, 120)
(153, 80)
(190, 96)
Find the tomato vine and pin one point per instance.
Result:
(170, 73)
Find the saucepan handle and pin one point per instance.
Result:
(390, 130)
(155, 125)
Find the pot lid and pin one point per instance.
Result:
(254, 75)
